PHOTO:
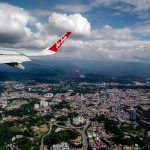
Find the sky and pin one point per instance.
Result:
(111, 30)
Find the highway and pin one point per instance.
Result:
(84, 137)
(70, 126)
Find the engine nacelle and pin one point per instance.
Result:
(16, 65)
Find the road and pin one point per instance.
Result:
(85, 143)
(50, 129)
(82, 132)
(70, 126)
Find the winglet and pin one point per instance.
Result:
(59, 43)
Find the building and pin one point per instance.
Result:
(36, 106)
(82, 97)
(43, 103)
(132, 114)
(4, 104)
(136, 147)
(62, 146)
(48, 95)
(78, 120)
(148, 133)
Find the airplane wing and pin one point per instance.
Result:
(15, 59)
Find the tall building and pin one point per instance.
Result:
(132, 114)
(148, 133)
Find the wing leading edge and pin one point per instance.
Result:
(15, 59)
(51, 49)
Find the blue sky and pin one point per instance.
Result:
(115, 29)
(98, 16)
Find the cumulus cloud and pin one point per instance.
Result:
(107, 32)
(11, 30)
(13, 24)
(108, 43)
(142, 30)
(109, 50)
(17, 13)
(59, 23)
(16, 27)
(105, 43)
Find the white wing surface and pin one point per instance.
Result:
(15, 59)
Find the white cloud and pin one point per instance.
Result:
(108, 43)
(17, 13)
(13, 24)
(59, 23)
(143, 30)
(74, 8)
(107, 32)
(11, 30)
(139, 4)
(40, 12)
(105, 43)
(78, 7)
(140, 8)
(15, 31)
(104, 2)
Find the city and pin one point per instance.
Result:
(75, 75)
(36, 116)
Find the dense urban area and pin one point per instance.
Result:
(74, 115)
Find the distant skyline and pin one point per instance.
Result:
(101, 29)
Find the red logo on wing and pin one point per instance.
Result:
(59, 43)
